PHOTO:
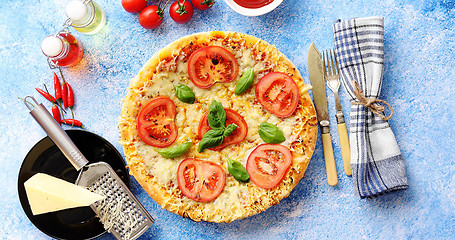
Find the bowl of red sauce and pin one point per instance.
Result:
(253, 7)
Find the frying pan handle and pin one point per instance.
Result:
(58, 136)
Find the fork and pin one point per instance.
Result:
(332, 77)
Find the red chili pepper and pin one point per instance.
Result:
(64, 95)
(64, 90)
(57, 87)
(46, 95)
(73, 122)
(56, 113)
(70, 95)
(70, 98)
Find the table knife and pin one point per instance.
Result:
(316, 72)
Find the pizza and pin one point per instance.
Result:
(218, 126)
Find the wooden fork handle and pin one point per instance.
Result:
(345, 148)
(330, 166)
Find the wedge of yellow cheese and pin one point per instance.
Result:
(46, 193)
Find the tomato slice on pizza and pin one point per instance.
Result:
(236, 136)
(268, 164)
(156, 125)
(212, 64)
(200, 180)
(278, 93)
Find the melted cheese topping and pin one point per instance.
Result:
(238, 200)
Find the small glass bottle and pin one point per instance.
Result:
(62, 49)
(85, 16)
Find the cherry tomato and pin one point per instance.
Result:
(134, 6)
(212, 64)
(181, 11)
(156, 125)
(268, 164)
(278, 93)
(200, 180)
(236, 136)
(151, 17)
(202, 4)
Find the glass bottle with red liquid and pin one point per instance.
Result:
(62, 49)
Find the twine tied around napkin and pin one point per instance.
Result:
(371, 103)
(376, 161)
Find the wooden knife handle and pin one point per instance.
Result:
(345, 148)
(330, 166)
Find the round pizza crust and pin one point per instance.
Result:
(157, 174)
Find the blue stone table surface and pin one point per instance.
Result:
(419, 83)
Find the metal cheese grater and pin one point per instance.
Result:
(121, 213)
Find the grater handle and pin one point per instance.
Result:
(58, 136)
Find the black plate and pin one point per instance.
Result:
(45, 157)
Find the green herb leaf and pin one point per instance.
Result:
(184, 93)
(229, 129)
(237, 170)
(271, 133)
(212, 138)
(174, 152)
(216, 115)
(244, 81)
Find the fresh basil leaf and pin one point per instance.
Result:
(184, 93)
(229, 129)
(174, 152)
(216, 115)
(212, 138)
(237, 170)
(244, 82)
(271, 133)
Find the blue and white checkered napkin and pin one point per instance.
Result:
(376, 161)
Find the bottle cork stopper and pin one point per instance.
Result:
(51, 46)
(77, 11)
